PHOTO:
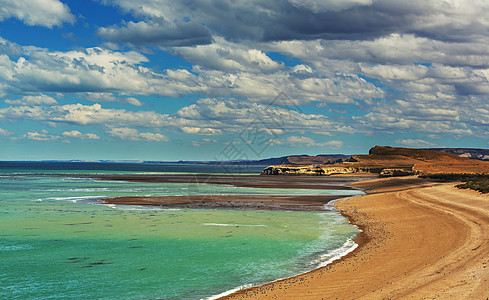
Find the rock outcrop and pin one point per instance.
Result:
(308, 170)
(397, 172)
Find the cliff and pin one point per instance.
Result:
(309, 170)
(389, 161)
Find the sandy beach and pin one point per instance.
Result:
(420, 240)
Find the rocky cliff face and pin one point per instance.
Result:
(308, 170)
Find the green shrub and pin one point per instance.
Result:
(477, 182)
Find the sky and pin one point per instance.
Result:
(225, 80)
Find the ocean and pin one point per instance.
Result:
(58, 241)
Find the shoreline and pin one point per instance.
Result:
(415, 236)
(245, 287)
(359, 240)
(258, 202)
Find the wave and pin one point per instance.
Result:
(234, 225)
(74, 190)
(228, 292)
(320, 261)
(76, 198)
(15, 247)
(330, 256)
(137, 207)
(323, 261)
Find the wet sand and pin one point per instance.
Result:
(252, 202)
(420, 240)
(253, 181)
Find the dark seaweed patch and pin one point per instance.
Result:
(77, 259)
(73, 224)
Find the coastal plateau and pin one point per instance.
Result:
(388, 161)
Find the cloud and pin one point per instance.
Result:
(309, 142)
(204, 117)
(232, 115)
(334, 144)
(33, 100)
(92, 70)
(104, 75)
(203, 141)
(109, 97)
(391, 49)
(201, 131)
(319, 6)
(47, 13)
(153, 137)
(414, 143)
(131, 134)
(5, 132)
(8, 48)
(79, 135)
(82, 115)
(42, 136)
(397, 94)
(281, 20)
(226, 56)
(427, 85)
(394, 66)
(294, 140)
(157, 32)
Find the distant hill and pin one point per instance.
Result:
(417, 154)
(481, 154)
(304, 159)
(423, 161)
(315, 160)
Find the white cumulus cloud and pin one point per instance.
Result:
(131, 134)
(47, 13)
(201, 130)
(33, 100)
(79, 135)
(5, 132)
(309, 142)
(41, 136)
(414, 143)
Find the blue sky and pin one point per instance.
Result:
(221, 80)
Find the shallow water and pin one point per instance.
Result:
(57, 241)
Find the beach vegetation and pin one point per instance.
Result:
(477, 182)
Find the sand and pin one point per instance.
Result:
(421, 240)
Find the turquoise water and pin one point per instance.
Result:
(57, 241)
